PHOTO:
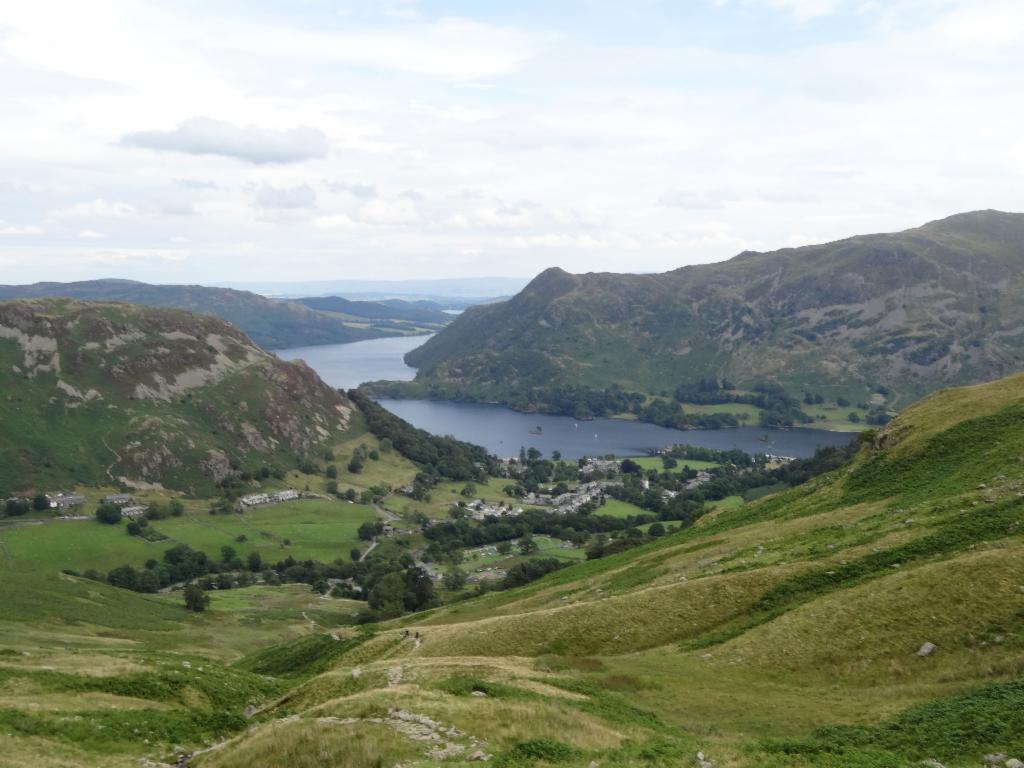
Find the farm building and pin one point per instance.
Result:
(263, 499)
(120, 499)
(65, 499)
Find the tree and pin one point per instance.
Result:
(355, 553)
(255, 562)
(16, 507)
(227, 554)
(40, 502)
(196, 599)
(124, 577)
(356, 465)
(331, 471)
(629, 467)
(388, 596)
(468, 490)
(109, 514)
(527, 544)
(656, 530)
(176, 508)
(331, 486)
(369, 529)
(556, 455)
(455, 579)
(503, 547)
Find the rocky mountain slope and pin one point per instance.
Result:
(908, 312)
(872, 617)
(271, 324)
(103, 393)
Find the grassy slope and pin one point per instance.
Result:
(750, 633)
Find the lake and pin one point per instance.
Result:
(345, 366)
(503, 431)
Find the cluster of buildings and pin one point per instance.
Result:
(127, 504)
(265, 499)
(701, 478)
(570, 501)
(480, 509)
(65, 499)
(599, 466)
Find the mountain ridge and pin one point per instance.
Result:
(271, 324)
(845, 318)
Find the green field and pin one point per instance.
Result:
(317, 529)
(616, 508)
(654, 462)
(546, 547)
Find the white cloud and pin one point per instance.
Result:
(493, 143)
(206, 136)
(97, 209)
(302, 196)
(11, 230)
(90, 234)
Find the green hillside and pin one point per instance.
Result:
(109, 394)
(872, 617)
(787, 632)
(870, 319)
(270, 324)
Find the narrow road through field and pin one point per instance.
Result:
(373, 546)
(387, 514)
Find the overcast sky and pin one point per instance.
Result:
(209, 141)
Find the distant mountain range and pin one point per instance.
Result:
(884, 315)
(430, 312)
(271, 324)
(102, 394)
(456, 290)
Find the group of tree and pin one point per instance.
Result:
(438, 457)
(447, 540)
(16, 506)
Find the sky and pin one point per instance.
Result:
(227, 141)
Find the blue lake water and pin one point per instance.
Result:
(503, 431)
(345, 366)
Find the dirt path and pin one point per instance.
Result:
(114, 463)
(386, 514)
(373, 546)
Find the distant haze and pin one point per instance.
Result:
(464, 288)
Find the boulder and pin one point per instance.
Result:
(927, 649)
(1013, 762)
